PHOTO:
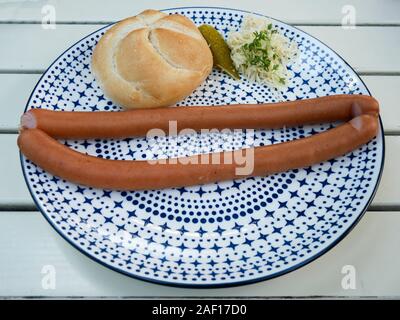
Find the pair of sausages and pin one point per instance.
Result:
(39, 128)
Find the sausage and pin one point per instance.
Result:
(87, 125)
(71, 165)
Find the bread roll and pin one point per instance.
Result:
(151, 60)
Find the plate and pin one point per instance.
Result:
(221, 234)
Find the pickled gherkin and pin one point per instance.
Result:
(220, 50)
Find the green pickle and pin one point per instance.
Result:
(220, 50)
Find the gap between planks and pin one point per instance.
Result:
(107, 22)
(312, 297)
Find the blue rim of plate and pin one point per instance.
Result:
(220, 285)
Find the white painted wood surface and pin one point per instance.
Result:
(298, 11)
(367, 49)
(28, 243)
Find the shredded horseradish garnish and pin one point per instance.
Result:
(260, 52)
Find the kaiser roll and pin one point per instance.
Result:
(151, 60)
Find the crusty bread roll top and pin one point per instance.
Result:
(151, 60)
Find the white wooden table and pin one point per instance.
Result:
(28, 244)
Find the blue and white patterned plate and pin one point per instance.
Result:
(219, 234)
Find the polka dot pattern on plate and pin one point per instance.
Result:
(218, 234)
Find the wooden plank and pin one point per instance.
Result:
(384, 89)
(15, 192)
(15, 90)
(28, 244)
(368, 49)
(303, 11)
(364, 48)
(11, 174)
(389, 192)
(44, 45)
